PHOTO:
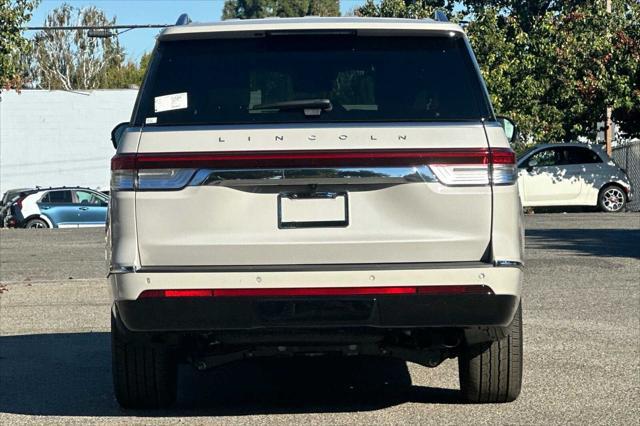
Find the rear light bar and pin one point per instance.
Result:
(266, 160)
(319, 291)
(174, 170)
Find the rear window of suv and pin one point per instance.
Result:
(366, 79)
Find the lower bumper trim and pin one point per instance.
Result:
(197, 314)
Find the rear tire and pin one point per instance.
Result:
(144, 373)
(491, 374)
(36, 224)
(612, 199)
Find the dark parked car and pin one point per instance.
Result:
(5, 204)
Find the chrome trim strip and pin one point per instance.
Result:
(342, 175)
(116, 270)
(508, 264)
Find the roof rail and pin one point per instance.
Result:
(183, 19)
(440, 16)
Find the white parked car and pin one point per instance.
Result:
(572, 174)
(313, 186)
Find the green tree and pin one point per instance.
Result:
(555, 73)
(416, 9)
(248, 9)
(551, 66)
(122, 76)
(71, 59)
(13, 46)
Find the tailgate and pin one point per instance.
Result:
(270, 197)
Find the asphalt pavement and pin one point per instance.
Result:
(581, 328)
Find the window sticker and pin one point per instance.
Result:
(151, 120)
(170, 102)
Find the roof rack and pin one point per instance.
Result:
(440, 16)
(183, 19)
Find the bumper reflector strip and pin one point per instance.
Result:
(319, 291)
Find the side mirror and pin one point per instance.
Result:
(531, 164)
(509, 127)
(117, 133)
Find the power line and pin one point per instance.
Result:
(97, 27)
(99, 31)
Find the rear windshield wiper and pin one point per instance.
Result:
(309, 106)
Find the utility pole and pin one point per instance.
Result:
(608, 123)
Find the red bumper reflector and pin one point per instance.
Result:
(332, 291)
(318, 291)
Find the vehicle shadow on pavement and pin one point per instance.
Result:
(70, 375)
(587, 242)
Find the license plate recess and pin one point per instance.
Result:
(313, 210)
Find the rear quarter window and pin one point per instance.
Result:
(577, 155)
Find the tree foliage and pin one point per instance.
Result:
(13, 46)
(248, 9)
(71, 60)
(551, 66)
(126, 75)
(416, 9)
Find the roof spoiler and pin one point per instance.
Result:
(183, 19)
(440, 16)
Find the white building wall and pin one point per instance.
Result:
(57, 138)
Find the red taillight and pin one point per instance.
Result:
(504, 170)
(319, 291)
(123, 162)
(262, 160)
(503, 156)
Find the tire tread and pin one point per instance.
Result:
(144, 373)
(493, 373)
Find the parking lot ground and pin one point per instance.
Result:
(581, 328)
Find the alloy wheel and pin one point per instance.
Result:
(613, 199)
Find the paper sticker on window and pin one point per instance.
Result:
(170, 102)
(151, 120)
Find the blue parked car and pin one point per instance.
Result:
(60, 208)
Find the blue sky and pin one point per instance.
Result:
(136, 42)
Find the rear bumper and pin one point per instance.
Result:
(252, 313)
(199, 314)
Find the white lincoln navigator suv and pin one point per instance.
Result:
(311, 186)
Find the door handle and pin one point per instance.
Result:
(84, 208)
(45, 208)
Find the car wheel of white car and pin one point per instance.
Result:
(612, 199)
(36, 224)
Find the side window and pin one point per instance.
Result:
(576, 155)
(46, 198)
(546, 157)
(58, 197)
(87, 198)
